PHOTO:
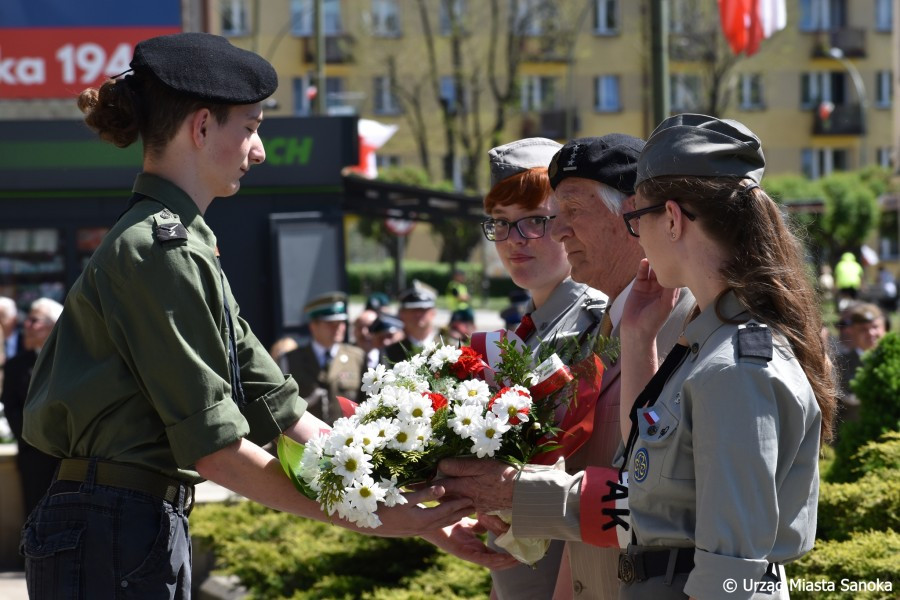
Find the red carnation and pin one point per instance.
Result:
(437, 400)
(469, 364)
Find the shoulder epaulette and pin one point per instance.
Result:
(754, 340)
(168, 226)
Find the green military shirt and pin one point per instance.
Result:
(136, 370)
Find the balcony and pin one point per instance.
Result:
(851, 41)
(338, 49)
(549, 124)
(543, 48)
(845, 119)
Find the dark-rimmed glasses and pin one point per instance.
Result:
(635, 216)
(530, 228)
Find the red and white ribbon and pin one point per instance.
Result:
(552, 375)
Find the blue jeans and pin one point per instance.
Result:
(91, 541)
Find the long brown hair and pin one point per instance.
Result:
(139, 105)
(766, 269)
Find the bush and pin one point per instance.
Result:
(873, 502)
(276, 555)
(867, 557)
(877, 386)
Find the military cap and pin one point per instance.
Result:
(861, 313)
(462, 315)
(610, 159)
(418, 296)
(702, 146)
(377, 301)
(521, 155)
(386, 324)
(327, 307)
(206, 66)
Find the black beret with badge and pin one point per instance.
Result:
(610, 159)
(207, 67)
(702, 146)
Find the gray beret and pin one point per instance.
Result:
(519, 156)
(701, 146)
(206, 66)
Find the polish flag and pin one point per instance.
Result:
(745, 23)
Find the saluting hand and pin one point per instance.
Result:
(648, 306)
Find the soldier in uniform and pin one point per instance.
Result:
(326, 367)
(522, 210)
(723, 441)
(417, 312)
(151, 381)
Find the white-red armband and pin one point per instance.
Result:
(604, 508)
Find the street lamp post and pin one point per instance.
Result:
(856, 78)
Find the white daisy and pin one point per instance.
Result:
(393, 496)
(466, 419)
(374, 379)
(512, 405)
(443, 355)
(351, 463)
(364, 494)
(385, 430)
(407, 437)
(472, 391)
(488, 438)
(415, 406)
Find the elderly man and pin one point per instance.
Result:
(594, 183)
(417, 311)
(35, 467)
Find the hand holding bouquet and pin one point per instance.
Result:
(443, 402)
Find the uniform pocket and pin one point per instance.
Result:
(656, 434)
(53, 555)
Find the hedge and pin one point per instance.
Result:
(277, 555)
(866, 558)
(873, 502)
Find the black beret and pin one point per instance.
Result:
(702, 146)
(611, 159)
(206, 66)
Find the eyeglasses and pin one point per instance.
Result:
(530, 228)
(633, 218)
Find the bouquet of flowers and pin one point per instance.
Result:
(443, 402)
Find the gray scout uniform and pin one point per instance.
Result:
(572, 310)
(726, 461)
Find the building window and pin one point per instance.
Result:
(822, 15)
(451, 14)
(884, 15)
(534, 16)
(606, 17)
(386, 18)
(386, 161)
(606, 93)
(751, 91)
(883, 89)
(385, 103)
(538, 93)
(884, 157)
(821, 162)
(305, 92)
(450, 95)
(234, 18)
(822, 86)
(685, 92)
(302, 99)
(302, 17)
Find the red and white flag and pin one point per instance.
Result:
(745, 23)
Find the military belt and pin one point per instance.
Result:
(639, 565)
(127, 477)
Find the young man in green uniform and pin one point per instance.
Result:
(150, 381)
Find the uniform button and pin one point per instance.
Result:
(695, 348)
(578, 587)
(124, 584)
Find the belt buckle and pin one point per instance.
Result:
(626, 569)
(188, 499)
